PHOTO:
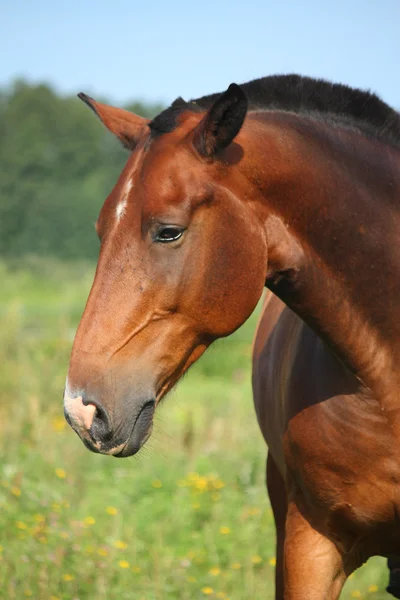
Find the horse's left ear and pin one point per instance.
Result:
(222, 122)
(125, 125)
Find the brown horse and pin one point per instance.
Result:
(294, 184)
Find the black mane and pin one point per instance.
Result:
(335, 102)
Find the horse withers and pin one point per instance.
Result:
(289, 183)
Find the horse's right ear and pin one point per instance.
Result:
(125, 125)
(222, 122)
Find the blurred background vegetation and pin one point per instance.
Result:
(57, 165)
(189, 517)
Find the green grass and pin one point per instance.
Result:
(187, 518)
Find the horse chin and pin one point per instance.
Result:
(133, 445)
(140, 433)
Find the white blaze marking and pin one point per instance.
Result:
(121, 207)
(120, 210)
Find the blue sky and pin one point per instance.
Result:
(159, 49)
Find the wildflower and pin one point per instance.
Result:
(201, 483)
(111, 510)
(215, 571)
(61, 474)
(120, 545)
(256, 560)
(218, 484)
(136, 569)
(58, 424)
(89, 521)
(356, 594)
(38, 518)
(373, 588)
(156, 483)
(254, 511)
(1, 548)
(224, 530)
(207, 590)
(272, 562)
(21, 525)
(28, 593)
(124, 564)
(236, 566)
(15, 491)
(68, 577)
(102, 552)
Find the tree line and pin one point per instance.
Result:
(57, 165)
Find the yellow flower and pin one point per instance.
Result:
(218, 484)
(120, 545)
(215, 571)
(28, 593)
(136, 569)
(61, 474)
(356, 594)
(68, 577)
(89, 521)
(58, 424)
(124, 564)
(89, 549)
(224, 530)
(1, 548)
(111, 510)
(21, 525)
(102, 552)
(236, 566)
(373, 588)
(256, 560)
(201, 483)
(207, 590)
(15, 490)
(156, 483)
(272, 562)
(254, 511)
(38, 518)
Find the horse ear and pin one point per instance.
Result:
(125, 125)
(222, 122)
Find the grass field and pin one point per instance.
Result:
(186, 519)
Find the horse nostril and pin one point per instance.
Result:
(101, 426)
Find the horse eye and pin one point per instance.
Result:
(169, 234)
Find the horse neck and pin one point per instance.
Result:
(327, 198)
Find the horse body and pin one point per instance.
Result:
(303, 197)
(328, 437)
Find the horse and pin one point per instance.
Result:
(286, 183)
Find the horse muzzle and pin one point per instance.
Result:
(103, 432)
